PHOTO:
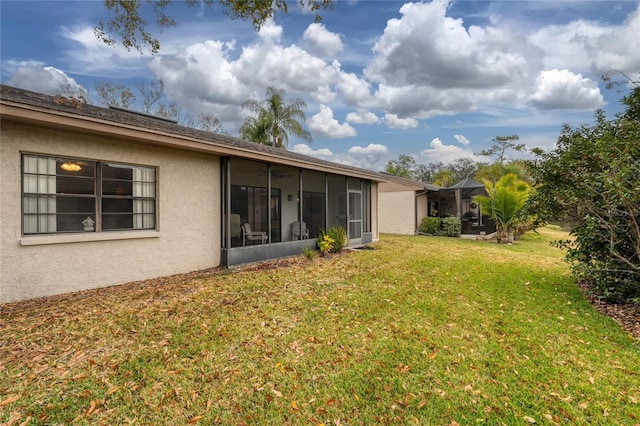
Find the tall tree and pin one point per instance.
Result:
(254, 130)
(501, 144)
(463, 168)
(128, 27)
(444, 177)
(404, 166)
(505, 202)
(279, 116)
(592, 178)
(152, 102)
(114, 94)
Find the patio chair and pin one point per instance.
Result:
(248, 234)
(297, 230)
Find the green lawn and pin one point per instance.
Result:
(421, 330)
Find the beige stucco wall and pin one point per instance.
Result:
(397, 212)
(422, 203)
(187, 239)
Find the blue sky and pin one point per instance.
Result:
(435, 80)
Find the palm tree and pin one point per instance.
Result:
(505, 202)
(443, 178)
(275, 119)
(254, 130)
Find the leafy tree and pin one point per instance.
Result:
(279, 117)
(254, 130)
(426, 172)
(127, 24)
(151, 94)
(404, 166)
(493, 172)
(501, 144)
(463, 168)
(114, 94)
(593, 179)
(505, 202)
(444, 177)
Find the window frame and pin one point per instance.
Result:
(148, 203)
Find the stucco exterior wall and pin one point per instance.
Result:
(422, 203)
(188, 218)
(397, 212)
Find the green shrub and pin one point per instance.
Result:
(430, 225)
(332, 240)
(309, 253)
(451, 226)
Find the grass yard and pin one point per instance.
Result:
(421, 330)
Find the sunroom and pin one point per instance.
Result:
(273, 210)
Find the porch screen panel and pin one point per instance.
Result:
(249, 198)
(314, 201)
(285, 180)
(337, 201)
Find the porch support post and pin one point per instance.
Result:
(300, 207)
(227, 207)
(269, 204)
(326, 201)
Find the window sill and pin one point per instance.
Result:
(37, 240)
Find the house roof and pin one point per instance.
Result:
(410, 183)
(24, 106)
(466, 183)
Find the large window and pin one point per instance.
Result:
(70, 195)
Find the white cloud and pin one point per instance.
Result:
(307, 150)
(588, 45)
(355, 90)
(426, 47)
(322, 41)
(324, 125)
(447, 154)
(205, 78)
(560, 89)
(90, 56)
(371, 149)
(324, 95)
(48, 80)
(462, 140)
(394, 122)
(372, 156)
(363, 117)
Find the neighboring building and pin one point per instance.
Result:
(93, 197)
(402, 203)
(457, 200)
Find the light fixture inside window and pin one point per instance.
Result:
(69, 166)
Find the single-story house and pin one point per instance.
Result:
(402, 203)
(93, 197)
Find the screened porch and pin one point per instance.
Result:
(274, 210)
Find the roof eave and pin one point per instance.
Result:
(31, 114)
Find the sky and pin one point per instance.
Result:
(433, 80)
